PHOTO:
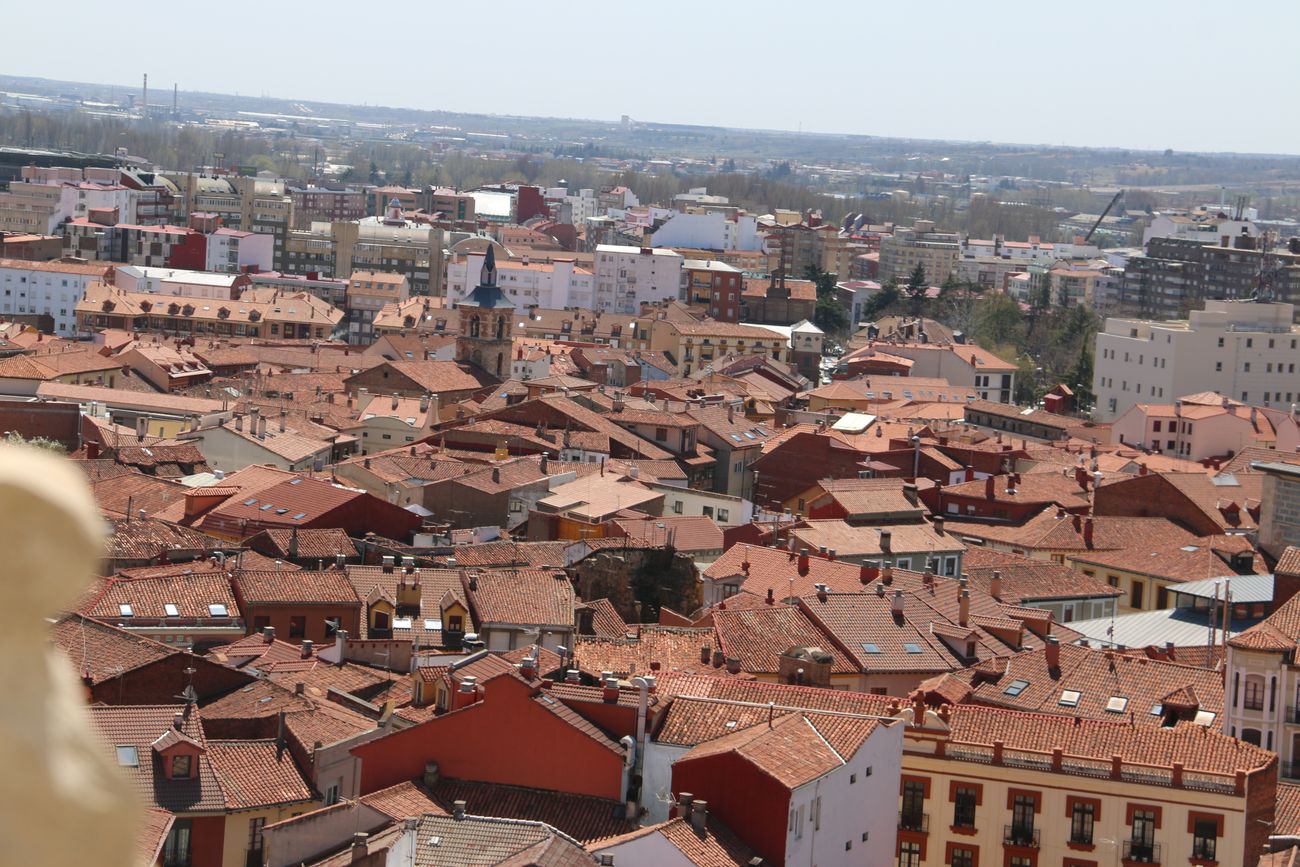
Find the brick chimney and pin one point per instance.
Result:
(938, 524)
(528, 668)
(466, 694)
(995, 585)
(1087, 531)
(870, 572)
(706, 651)
(1285, 585)
(988, 487)
(771, 598)
(1053, 649)
(896, 603)
(360, 847)
(963, 608)
(803, 561)
(609, 692)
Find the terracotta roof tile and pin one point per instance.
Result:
(289, 588)
(687, 533)
(758, 636)
(138, 726)
(586, 819)
(100, 652)
(673, 648)
(1286, 818)
(541, 597)
(311, 544)
(402, 801)
(478, 840)
(1025, 579)
(257, 774)
(203, 594)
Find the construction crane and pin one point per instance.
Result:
(1114, 200)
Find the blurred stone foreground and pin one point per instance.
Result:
(61, 800)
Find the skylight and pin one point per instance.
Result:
(171, 610)
(266, 508)
(1015, 687)
(299, 516)
(433, 624)
(736, 437)
(216, 609)
(401, 623)
(295, 481)
(125, 610)
(1204, 718)
(281, 511)
(1069, 698)
(250, 501)
(1157, 709)
(1117, 704)
(870, 648)
(127, 756)
(910, 647)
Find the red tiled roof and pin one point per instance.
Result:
(522, 597)
(685, 532)
(673, 648)
(770, 568)
(758, 636)
(311, 544)
(1047, 532)
(257, 774)
(290, 588)
(139, 726)
(1025, 579)
(584, 818)
(150, 539)
(100, 652)
(605, 619)
(402, 801)
(1286, 818)
(193, 594)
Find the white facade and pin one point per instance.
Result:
(1260, 701)
(554, 285)
(173, 281)
(626, 277)
(724, 509)
(1192, 432)
(710, 231)
(39, 288)
(1211, 231)
(76, 200)
(1245, 351)
(232, 251)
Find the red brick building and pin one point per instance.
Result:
(300, 605)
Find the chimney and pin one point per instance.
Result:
(239, 422)
(261, 428)
(1077, 521)
(896, 603)
(988, 488)
(909, 491)
(572, 675)
(282, 415)
(306, 648)
(528, 668)
(886, 541)
(1087, 531)
(466, 694)
(733, 665)
(610, 692)
(938, 524)
(706, 651)
(341, 640)
(887, 575)
(458, 810)
(830, 554)
(178, 720)
(718, 659)
(1053, 648)
(963, 609)
(268, 634)
(360, 846)
(995, 585)
(771, 598)
(496, 475)
(803, 561)
(870, 572)
(699, 815)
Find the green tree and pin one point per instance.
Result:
(830, 316)
(916, 286)
(14, 438)
(879, 303)
(824, 281)
(998, 321)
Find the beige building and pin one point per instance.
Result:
(937, 252)
(368, 293)
(1244, 351)
(693, 345)
(338, 249)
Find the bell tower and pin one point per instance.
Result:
(486, 322)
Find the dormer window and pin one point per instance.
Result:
(182, 766)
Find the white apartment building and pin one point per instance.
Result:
(628, 276)
(554, 285)
(233, 250)
(1245, 351)
(1205, 228)
(713, 230)
(50, 288)
(175, 281)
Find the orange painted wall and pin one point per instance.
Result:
(506, 737)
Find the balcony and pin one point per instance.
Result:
(1020, 835)
(1140, 853)
(1293, 716)
(912, 821)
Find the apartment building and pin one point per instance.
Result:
(694, 345)
(391, 244)
(47, 289)
(715, 286)
(171, 281)
(936, 252)
(627, 277)
(260, 205)
(368, 293)
(555, 284)
(1177, 274)
(325, 204)
(1244, 351)
(961, 364)
(1195, 427)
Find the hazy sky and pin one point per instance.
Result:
(1141, 73)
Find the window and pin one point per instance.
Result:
(1021, 831)
(912, 816)
(176, 850)
(965, 800)
(181, 766)
(1205, 838)
(297, 627)
(723, 514)
(1142, 839)
(1135, 595)
(1016, 687)
(128, 756)
(1218, 366)
(1254, 693)
(331, 794)
(962, 857)
(909, 854)
(707, 511)
(1081, 819)
(1252, 736)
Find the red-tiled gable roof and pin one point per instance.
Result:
(794, 750)
(290, 588)
(151, 833)
(257, 774)
(1197, 748)
(139, 726)
(1057, 488)
(402, 801)
(1286, 818)
(1289, 562)
(606, 622)
(256, 647)
(758, 636)
(684, 532)
(673, 648)
(586, 819)
(1098, 676)
(439, 377)
(716, 846)
(150, 539)
(282, 503)
(1047, 532)
(848, 540)
(319, 676)
(772, 568)
(100, 652)
(193, 596)
(1193, 560)
(876, 639)
(542, 597)
(310, 544)
(435, 585)
(136, 493)
(443, 841)
(1225, 498)
(1025, 579)
(1280, 630)
(507, 552)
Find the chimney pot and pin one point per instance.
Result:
(458, 809)
(803, 561)
(306, 648)
(699, 814)
(995, 585)
(963, 608)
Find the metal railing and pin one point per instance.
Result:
(913, 821)
(1020, 835)
(1142, 853)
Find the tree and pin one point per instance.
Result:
(877, 304)
(916, 290)
(824, 281)
(830, 316)
(998, 321)
(14, 438)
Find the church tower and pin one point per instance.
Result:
(486, 320)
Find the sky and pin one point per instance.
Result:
(1138, 74)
